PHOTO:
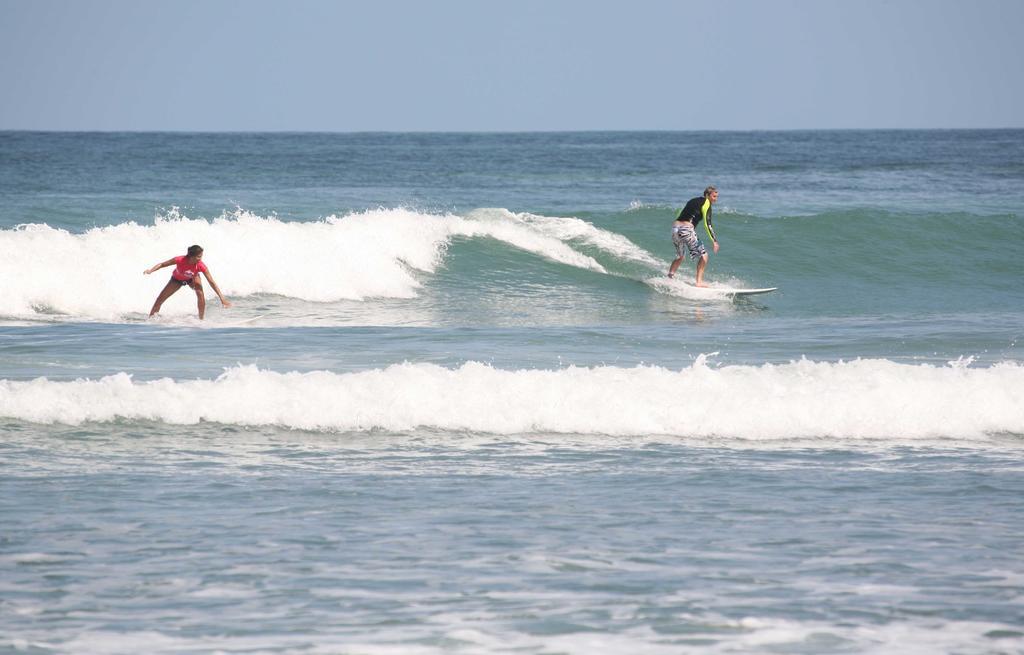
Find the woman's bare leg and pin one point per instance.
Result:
(167, 292)
(200, 299)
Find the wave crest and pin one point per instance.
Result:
(862, 399)
(380, 253)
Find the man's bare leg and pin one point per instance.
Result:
(674, 266)
(701, 264)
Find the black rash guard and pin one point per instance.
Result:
(696, 210)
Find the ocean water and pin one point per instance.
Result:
(456, 406)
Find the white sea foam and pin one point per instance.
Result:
(862, 399)
(682, 287)
(574, 230)
(373, 254)
(484, 635)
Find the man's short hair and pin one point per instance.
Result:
(708, 191)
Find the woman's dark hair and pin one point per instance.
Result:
(195, 250)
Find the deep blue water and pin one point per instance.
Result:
(456, 406)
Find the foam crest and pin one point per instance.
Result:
(577, 231)
(862, 399)
(99, 273)
(373, 254)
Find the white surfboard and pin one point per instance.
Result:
(676, 286)
(741, 292)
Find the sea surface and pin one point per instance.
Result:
(457, 407)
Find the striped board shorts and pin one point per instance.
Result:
(684, 234)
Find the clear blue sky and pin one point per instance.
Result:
(485, 65)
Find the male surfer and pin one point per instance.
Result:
(186, 272)
(684, 232)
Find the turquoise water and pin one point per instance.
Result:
(456, 406)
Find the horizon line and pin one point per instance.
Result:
(510, 132)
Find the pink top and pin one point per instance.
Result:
(186, 271)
